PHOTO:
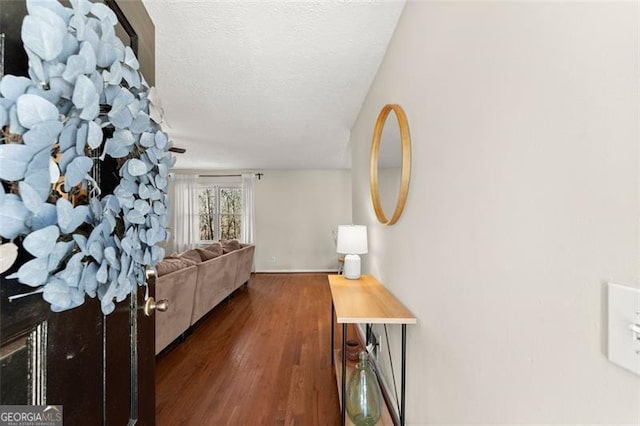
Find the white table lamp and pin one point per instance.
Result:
(352, 241)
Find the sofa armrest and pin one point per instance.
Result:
(244, 264)
(179, 288)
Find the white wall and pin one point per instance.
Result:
(296, 210)
(524, 201)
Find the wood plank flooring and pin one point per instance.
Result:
(261, 358)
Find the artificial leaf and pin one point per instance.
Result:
(102, 275)
(96, 249)
(84, 93)
(36, 70)
(109, 221)
(76, 171)
(111, 203)
(107, 53)
(147, 139)
(159, 208)
(51, 5)
(123, 99)
(46, 216)
(39, 180)
(141, 207)
(8, 256)
(68, 135)
(163, 170)
(126, 245)
(33, 273)
(132, 77)
(81, 7)
(13, 214)
(111, 257)
(43, 134)
(14, 159)
(161, 183)
(61, 250)
(33, 109)
(157, 254)
(41, 243)
(88, 34)
(75, 67)
(115, 149)
(67, 157)
(140, 123)
(144, 191)
(94, 137)
(125, 262)
(81, 138)
(129, 185)
(136, 167)
(151, 155)
(50, 95)
(95, 234)
(134, 216)
(30, 197)
(120, 117)
(65, 89)
(69, 47)
(161, 139)
(58, 294)
(114, 75)
(81, 241)
(72, 271)
(13, 87)
(130, 58)
(142, 234)
(52, 69)
(54, 171)
(45, 37)
(98, 82)
(89, 279)
(89, 55)
(69, 218)
(4, 116)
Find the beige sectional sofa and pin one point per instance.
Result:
(195, 282)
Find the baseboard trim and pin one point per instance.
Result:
(295, 271)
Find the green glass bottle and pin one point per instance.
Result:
(363, 394)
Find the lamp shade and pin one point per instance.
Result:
(352, 239)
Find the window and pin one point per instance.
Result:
(220, 212)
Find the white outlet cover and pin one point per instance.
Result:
(624, 311)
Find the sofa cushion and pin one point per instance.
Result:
(215, 248)
(206, 254)
(168, 266)
(192, 257)
(230, 245)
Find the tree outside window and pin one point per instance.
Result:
(220, 213)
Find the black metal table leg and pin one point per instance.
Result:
(404, 373)
(344, 374)
(332, 332)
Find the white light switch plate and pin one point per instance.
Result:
(624, 313)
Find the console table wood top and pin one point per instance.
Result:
(366, 301)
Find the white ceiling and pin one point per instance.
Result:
(267, 84)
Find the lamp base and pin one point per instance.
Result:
(352, 266)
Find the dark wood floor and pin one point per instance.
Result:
(261, 358)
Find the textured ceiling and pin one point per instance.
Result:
(267, 84)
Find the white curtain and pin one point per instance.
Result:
(185, 217)
(248, 212)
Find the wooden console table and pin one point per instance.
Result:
(366, 301)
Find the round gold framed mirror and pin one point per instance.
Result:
(390, 165)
